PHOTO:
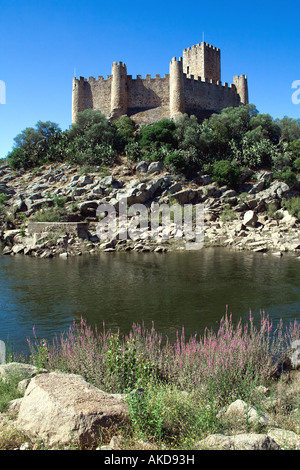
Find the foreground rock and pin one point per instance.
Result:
(62, 408)
(238, 442)
(18, 371)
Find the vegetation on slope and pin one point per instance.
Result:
(225, 144)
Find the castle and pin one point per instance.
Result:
(193, 86)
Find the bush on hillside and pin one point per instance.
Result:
(224, 173)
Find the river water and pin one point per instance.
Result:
(173, 290)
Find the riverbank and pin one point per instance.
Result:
(253, 216)
(236, 389)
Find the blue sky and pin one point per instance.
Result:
(43, 43)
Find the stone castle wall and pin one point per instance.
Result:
(192, 86)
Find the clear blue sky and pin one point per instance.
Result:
(43, 42)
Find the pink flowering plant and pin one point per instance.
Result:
(225, 362)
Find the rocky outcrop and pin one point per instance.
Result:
(248, 218)
(62, 408)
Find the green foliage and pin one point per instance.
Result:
(227, 215)
(297, 164)
(238, 134)
(293, 206)
(273, 212)
(176, 162)
(236, 120)
(47, 215)
(153, 136)
(91, 140)
(94, 127)
(133, 151)
(290, 129)
(224, 173)
(59, 201)
(34, 146)
(288, 177)
(125, 131)
(124, 369)
(9, 390)
(3, 198)
(165, 413)
(294, 148)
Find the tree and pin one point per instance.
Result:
(290, 128)
(94, 127)
(34, 146)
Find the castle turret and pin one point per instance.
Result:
(177, 102)
(78, 101)
(119, 98)
(241, 84)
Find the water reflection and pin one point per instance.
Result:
(189, 289)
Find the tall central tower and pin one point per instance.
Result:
(202, 60)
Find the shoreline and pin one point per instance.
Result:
(250, 218)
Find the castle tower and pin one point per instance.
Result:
(202, 60)
(241, 84)
(78, 102)
(177, 103)
(119, 95)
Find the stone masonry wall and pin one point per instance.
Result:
(194, 80)
(147, 93)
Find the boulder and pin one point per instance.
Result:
(257, 187)
(250, 219)
(155, 167)
(83, 181)
(88, 208)
(239, 442)
(244, 412)
(19, 371)
(285, 439)
(142, 167)
(110, 182)
(60, 408)
(187, 196)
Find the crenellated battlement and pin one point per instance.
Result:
(193, 86)
(201, 44)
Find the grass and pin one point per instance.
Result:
(177, 393)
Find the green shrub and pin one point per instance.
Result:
(47, 215)
(164, 413)
(224, 173)
(292, 206)
(3, 198)
(288, 177)
(8, 390)
(272, 212)
(133, 152)
(154, 135)
(176, 162)
(125, 131)
(227, 214)
(297, 164)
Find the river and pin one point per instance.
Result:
(173, 290)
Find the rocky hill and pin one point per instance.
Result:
(253, 216)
